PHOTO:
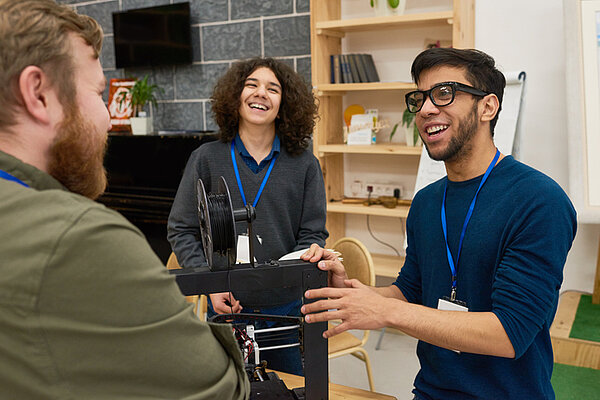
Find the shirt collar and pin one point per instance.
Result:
(29, 174)
(275, 149)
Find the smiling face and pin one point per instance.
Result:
(448, 131)
(260, 99)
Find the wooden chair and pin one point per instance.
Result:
(359, 265)
(198, 301)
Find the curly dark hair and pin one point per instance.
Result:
(297, 111)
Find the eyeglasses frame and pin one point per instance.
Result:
(456, 86)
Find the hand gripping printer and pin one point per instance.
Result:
(217, 230)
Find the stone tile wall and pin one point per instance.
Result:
(222, 31)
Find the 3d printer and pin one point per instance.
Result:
(217, 231)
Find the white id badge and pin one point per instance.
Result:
(447, 305)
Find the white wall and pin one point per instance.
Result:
(529, 35)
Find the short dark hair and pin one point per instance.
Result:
(297, 111)
(479, 67)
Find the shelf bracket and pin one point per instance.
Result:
(332, 33)
(322, 93)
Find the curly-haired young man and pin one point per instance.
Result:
(266, 115)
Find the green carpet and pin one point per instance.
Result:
(575, 383)
(587, 321)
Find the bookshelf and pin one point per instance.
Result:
(370, 149)
(328, 30)
(338, 28)
(332, 89)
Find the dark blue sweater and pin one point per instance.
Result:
(511, 264)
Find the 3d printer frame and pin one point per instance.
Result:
(288, 273)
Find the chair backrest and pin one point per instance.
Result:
(356, 259)
(198, 301)
(172, 262)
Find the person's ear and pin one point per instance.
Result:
(35, 88)
(490, 105)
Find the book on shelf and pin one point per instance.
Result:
(371, 69)
(362, 71)
(331, 66)
(347, 73)
(353, 68)
(336, 69)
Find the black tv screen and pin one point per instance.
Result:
(153, 36)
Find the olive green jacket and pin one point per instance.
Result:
(87, 310)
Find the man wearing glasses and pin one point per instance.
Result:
(486, 249)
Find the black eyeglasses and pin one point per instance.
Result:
(440, 95)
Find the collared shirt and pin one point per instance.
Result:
(250, 161)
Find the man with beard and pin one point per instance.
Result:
(87, 310)
(486, 249)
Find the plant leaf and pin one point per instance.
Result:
(416, 135)
(393, 131)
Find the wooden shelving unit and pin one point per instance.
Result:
(338, 27)
(372, 149)
(332, 89)
(338, 207)
(327, 32)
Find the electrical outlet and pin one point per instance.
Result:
(357, 188)
(360, 188)
(383, 189)
(378, 189)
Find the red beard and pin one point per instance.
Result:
(77, 155)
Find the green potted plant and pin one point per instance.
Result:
(140, 94)
(412, 133)
(388, 7)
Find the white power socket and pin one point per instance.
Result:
(359, 188)
(384, 189)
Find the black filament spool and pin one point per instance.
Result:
(221, 222)
(217, 224)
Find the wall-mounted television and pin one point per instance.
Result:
(153, 36)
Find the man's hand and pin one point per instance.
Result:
(329, 262)
(225, 303)
(357, 305)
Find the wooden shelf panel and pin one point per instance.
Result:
(341, 88)
(337, 27)
(386, 265)
(395, 149)
(359, 209)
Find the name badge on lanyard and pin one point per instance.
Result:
(445, 301)
(239, 181)
(243, 240)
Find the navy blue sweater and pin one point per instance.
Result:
(511, 264)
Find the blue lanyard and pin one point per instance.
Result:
(464, 227)
(239, 181)
(9, 177)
